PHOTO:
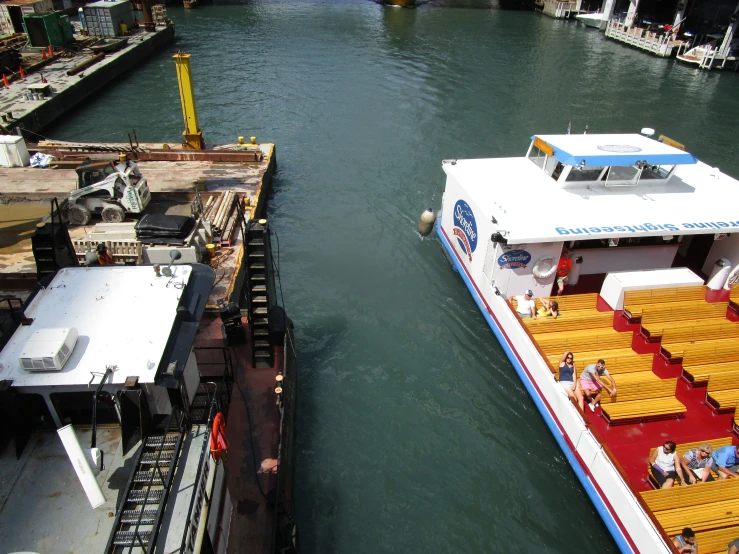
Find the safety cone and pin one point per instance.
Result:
(5, 80)
(51, 50)
(23, 73)
(43, 79)
(43, 54)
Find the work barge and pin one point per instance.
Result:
(47, 83)
(198, 454)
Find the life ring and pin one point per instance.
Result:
(540, 273)
(218, 442)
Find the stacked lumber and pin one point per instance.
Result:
(221, 212)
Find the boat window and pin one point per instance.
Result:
(656, 172)
(622, 175)
(587, 173)
(537, 156)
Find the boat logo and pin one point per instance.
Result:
(465, 228)
(619, 148)
(517, 259)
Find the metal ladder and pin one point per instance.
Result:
(140, 515)
(258, 286)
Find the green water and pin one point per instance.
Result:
(415, 434)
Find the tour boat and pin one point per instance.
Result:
(652, 234)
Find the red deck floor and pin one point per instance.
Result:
(252, 437)
(631, 443)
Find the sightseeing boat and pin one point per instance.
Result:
(651, 234)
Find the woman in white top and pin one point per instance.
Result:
(663, 467)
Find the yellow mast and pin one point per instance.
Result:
(192, 133)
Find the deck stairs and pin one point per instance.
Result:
(52, 248)
(259, 291)
(139, 516)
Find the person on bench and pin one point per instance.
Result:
(697, 464)
(548, 308)
(733, 547)
(591, 383)
(525, 305)
(685, 542)
(663, 467)
(568, 378)
(726, 461)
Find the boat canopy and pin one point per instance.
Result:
(610, 150)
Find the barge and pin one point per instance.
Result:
(646, 236)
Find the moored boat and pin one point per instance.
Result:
(650, 235)
(137, 417)
(596, 20)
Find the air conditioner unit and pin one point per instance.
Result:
(48, 349)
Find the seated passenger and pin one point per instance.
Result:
(697, 463)
(591, 383)
(726, 461)
(685, 542)
(548, 308)
(526, 307)
(662, 465)
(568, 378)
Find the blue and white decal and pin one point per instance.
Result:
(517, 259)
(465, 228)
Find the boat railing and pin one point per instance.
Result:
(218, 393)
(286, 401)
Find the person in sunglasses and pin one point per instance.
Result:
(697, 464)
(663, 467)
(685, 542)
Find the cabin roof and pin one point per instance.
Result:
(613, 150)
(123, 315)
(531, 207)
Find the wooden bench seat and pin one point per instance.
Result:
(675, 352)
(722, 392)
(707, 516)
(681, 449)
(572, 302)
(579, 321)
(647, 389)
(583, 340)
(663, 295)
(699, 374)
(626, 361)
(703, 354)
(710, 329)
(668, 312)
(640, 410)
(715, 540)
(655, 331)
(660, 500)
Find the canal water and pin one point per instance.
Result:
(415, 434)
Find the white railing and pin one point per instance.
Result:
(661, 45)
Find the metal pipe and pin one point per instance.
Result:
(84, 65)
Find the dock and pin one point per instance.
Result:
(29, 104)
(663, 45)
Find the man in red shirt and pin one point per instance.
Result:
(563, 268)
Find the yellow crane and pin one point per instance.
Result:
(192, 133)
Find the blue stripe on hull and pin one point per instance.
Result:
(600, 506)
